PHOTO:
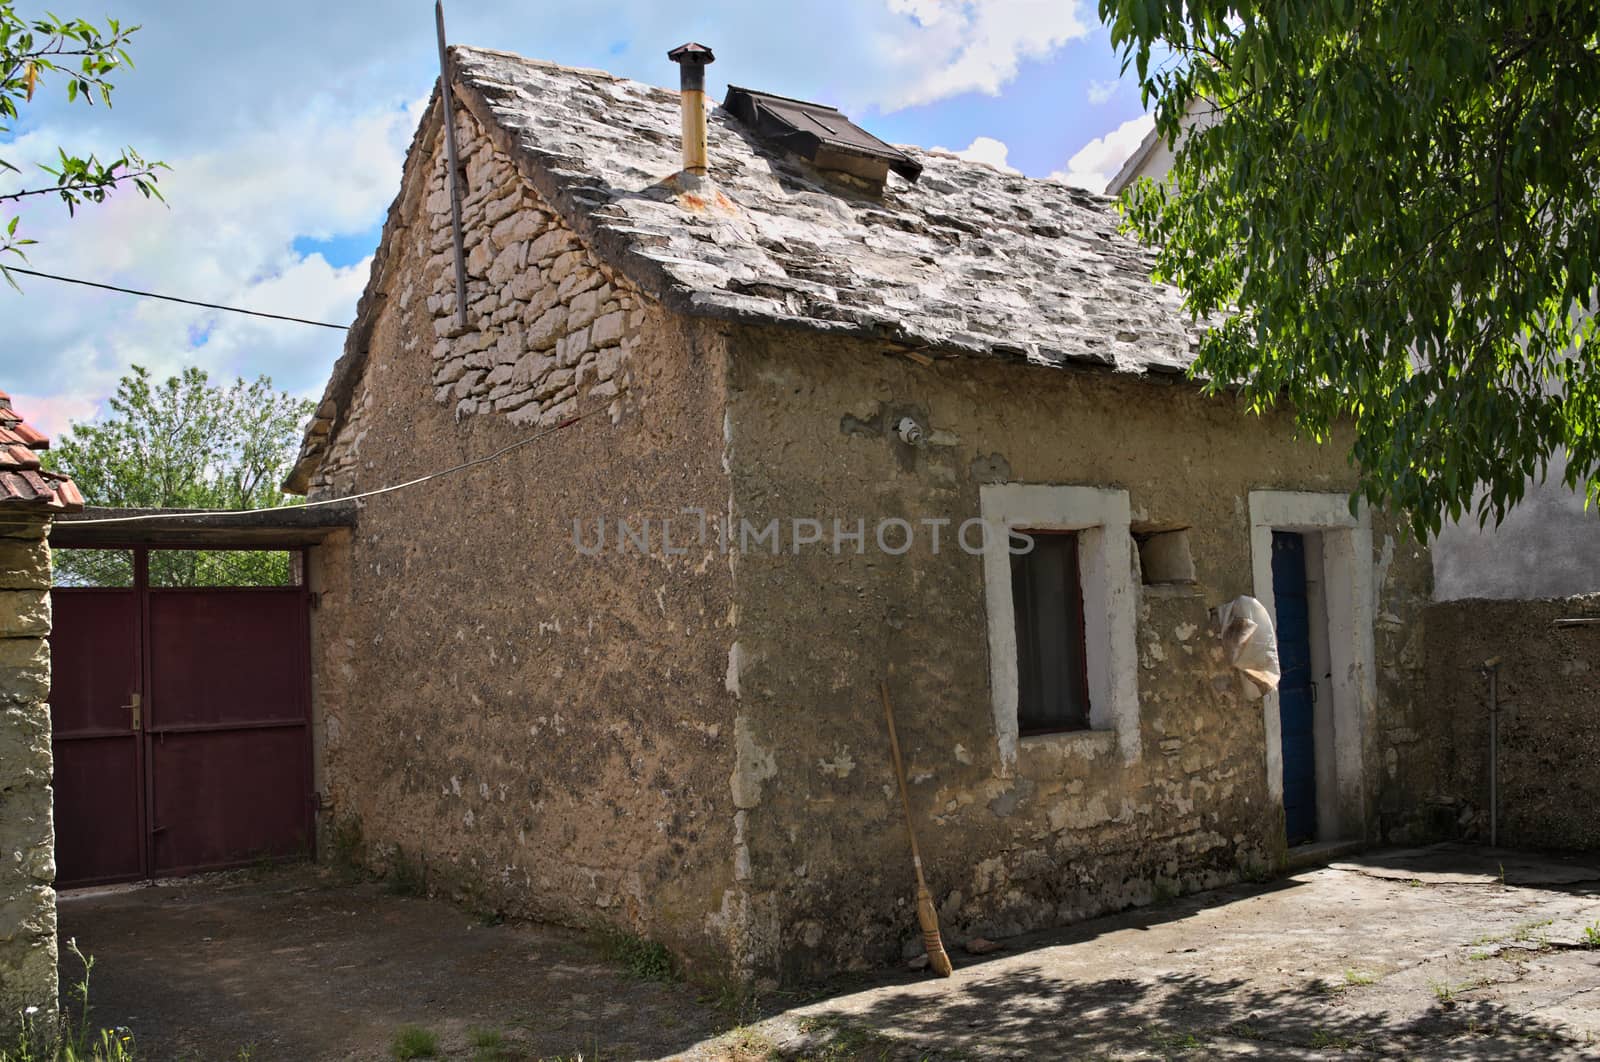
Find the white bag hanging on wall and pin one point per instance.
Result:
(1251, 644)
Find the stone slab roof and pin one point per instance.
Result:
(967, 260)
(23, 482)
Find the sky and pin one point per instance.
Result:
(285, 127)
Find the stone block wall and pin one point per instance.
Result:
(1549, 722)
(27, 837)
(550, 328)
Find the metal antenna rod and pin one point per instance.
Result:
(450, 157)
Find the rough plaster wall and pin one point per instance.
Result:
(1072, 831)
(550, 329)
(546, 732)
(1549, 724)
(27, 837)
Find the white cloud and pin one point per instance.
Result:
(226, 238)
(1101, 91)
(957, 46)
(1100, 159)
(984, 149)
(293, 127)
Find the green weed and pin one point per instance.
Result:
(645, 959)
(413, 1041)
(346, 844)
(73, 1039)
(407, 876)
(1591, 936)
(1359, 977)
(489, 1045)
(1324, 1038)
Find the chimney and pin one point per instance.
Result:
(692, 60)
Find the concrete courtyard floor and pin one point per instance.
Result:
(1440, 953)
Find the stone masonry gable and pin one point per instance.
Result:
(967, 261)
(550, 327)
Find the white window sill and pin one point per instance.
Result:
(1090, 743)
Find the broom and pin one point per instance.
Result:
(925, 912)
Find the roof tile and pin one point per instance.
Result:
(23, 482)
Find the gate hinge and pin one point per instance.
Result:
(316, 600)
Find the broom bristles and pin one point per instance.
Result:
(938, 959)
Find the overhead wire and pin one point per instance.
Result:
(417, 481)
(174, 298)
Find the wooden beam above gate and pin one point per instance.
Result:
(286, 528)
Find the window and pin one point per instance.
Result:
(1063, 660)
(1052, 671)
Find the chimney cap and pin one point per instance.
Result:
(692, 53)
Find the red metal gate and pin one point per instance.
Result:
(182, 734)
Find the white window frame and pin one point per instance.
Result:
(1101, 517)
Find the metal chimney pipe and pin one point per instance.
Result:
(692, 60)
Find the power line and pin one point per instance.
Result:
(485, 459)
(173, 298)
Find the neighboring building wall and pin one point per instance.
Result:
(1549, 725)
(27, 837)
(1549, 546)
(1075, 824)
(535, 730)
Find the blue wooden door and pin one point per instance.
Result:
(1296, 693)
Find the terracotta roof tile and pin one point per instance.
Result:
(23, 482)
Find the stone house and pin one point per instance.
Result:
(30, 498)
(726, 450)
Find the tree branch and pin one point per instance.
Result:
(86, 186)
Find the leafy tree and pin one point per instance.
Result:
(1391, 216)
(183, 443)
(31, 52)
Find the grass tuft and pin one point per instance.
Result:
(408, 876)
(646, 959)
(413, 1041)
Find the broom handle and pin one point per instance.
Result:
(900, 777)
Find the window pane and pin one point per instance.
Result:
(221, 567)
(1047, 594)
(91, 567)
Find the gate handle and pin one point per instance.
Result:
(134, 708)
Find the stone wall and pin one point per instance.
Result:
(550, 328)
(27, 837)
(1071, 828)
(1549, 724)
(527, 728)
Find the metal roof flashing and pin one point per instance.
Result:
(820, 134)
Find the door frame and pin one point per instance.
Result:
(1350, 600)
